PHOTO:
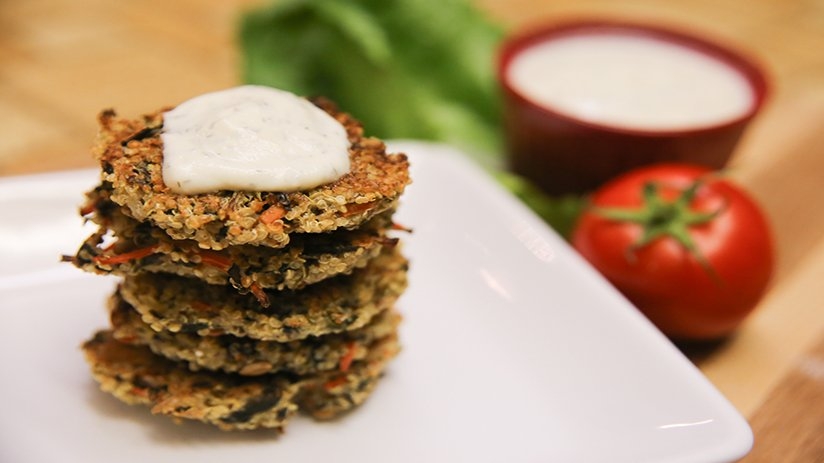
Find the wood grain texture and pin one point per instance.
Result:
(62, 61)
(790, 423)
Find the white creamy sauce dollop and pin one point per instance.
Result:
(631, 81)
(251, 138)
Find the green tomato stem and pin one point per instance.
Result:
(660, 218)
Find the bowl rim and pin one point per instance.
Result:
(749, 67)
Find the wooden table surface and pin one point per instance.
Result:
(62, 61)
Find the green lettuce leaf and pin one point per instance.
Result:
(418, 69)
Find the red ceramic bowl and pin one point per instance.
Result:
(565, 154)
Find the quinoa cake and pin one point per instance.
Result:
(261, 280)
(134, 375)
(140, 247)
(130, 152)
(250, 357)
(188, 305)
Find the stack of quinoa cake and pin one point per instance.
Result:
(240, 308)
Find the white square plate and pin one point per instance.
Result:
(514, 350)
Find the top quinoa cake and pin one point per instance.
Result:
(130, 152)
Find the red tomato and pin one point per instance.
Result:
(695, 266)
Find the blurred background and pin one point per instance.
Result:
(63, 61)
